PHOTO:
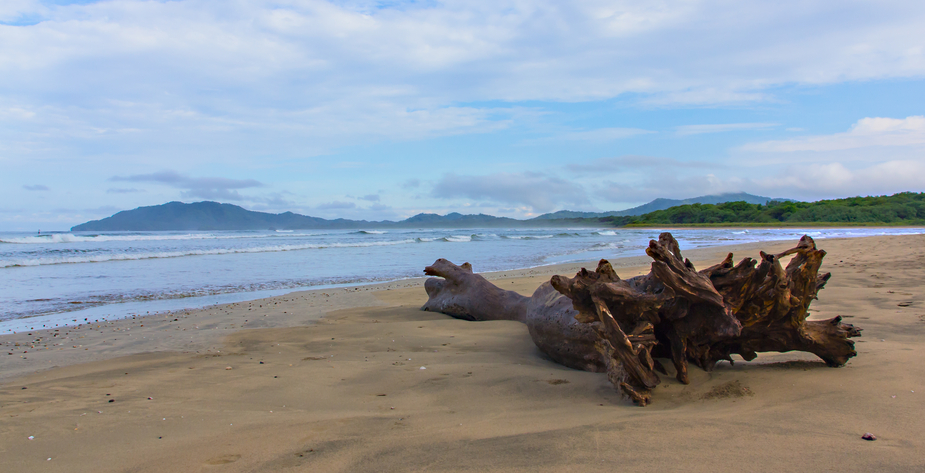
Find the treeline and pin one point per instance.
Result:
(897, 209)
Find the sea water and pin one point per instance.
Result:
(58, 278)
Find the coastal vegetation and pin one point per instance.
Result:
(906, 208)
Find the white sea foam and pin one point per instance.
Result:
(484, 236)
(457, 238)
(53, 238)
(528, 237)
(100, 258)
(605, 246)
(607, 233)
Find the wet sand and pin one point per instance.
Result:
(332, 380)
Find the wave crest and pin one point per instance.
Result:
(53, 238)
(101, 258)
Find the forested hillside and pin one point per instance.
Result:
(903, 208)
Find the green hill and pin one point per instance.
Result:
(904, 208)
(211, 216)
(203, 216)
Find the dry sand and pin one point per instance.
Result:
(333, 381)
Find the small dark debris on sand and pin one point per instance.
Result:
(726, 390)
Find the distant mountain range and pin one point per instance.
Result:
(206, 216)
(662, 204)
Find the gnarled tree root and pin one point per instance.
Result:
(597, 322)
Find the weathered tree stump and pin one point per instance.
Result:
(597, 322)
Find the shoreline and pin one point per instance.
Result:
(126, 310)
(103, 338)
(362, 380)
(92, 339)
(115, 311)
(140, 291)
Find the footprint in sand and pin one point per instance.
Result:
(223, 459)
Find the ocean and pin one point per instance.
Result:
(64, 278)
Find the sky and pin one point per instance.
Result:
(385, 109)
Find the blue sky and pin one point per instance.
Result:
(382, 110)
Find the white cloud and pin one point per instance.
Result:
(336, 205)
(213, 188)
(866, 132)
(810, 181)
(603, 134)
(412, 183)
(12, 11)
(792, 175)
(598, 135)
(540, 192)
(629, 163)
(670, 186)
(16, 113)
(816, 181)
(122, 190)
(406, 70)
(706, 95)
(686, 130)
(285, 86)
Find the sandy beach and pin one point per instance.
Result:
(359, 379)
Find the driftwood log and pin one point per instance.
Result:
(598, 322)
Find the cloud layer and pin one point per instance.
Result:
(539, 192)
(216, 188)
(332, 70)
(685, 130)
(867, 132)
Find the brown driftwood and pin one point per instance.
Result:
(597, 322)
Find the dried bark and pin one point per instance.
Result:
(597, 322)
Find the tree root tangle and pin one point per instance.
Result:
(598, 322)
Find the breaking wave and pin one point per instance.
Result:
(456, 238)
(100, 258)
(52, 238)
(527, 237)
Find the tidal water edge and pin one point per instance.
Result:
(63, 277)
